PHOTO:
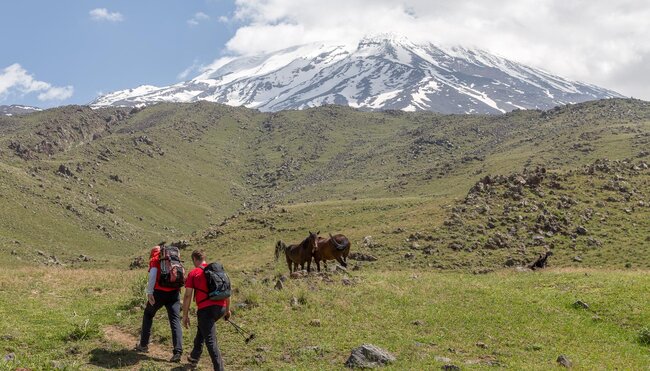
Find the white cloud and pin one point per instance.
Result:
(196, 66)
(198, 18)
(223, 19)
(597, 41)
(14, 79)
(102, 14)
(57, 93)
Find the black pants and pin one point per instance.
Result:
(206, 333)
(171, 300)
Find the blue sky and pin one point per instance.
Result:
(55, 52)
(132, 43)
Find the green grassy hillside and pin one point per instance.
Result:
(165, 172)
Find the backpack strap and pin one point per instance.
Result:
(205, 292)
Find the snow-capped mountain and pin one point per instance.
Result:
(381, 72)
(17, 109)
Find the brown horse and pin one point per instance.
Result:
(299, 254)
(334, 248)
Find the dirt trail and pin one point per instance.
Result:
(129, 359)
(119, 336)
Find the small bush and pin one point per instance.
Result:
(302, 298)
(83, 331)
(644, 336)
(252, 300)
(137, 296)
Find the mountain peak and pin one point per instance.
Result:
(385, 71)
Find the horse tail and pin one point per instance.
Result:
(342, 246)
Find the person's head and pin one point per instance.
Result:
(198, 257)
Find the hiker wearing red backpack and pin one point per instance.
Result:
(210, 286)
(166, 277)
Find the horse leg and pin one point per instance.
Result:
(318, 265)
(343, 264)
(289, 262)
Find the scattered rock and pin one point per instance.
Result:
(299, 274)
(482, 345)
(65, 171)
(182, 244)
(116, 178)
(450, 367)
(442, 359)
(10, 357)
(562, 360)
(417, 322)
(369, 356)
(362, 257)
(577, 259)
(581, 230)
(212, 234)
(409, 255)
(340, 269)
(137, 262)
(294, 302)
(315, 323)
(279, 285)
(580, 305)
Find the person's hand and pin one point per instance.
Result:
(150, 299)
(186, 322)
(227, 315)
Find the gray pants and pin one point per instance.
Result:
(206, 333)
(171, 300)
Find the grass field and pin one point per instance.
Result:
(507, 318)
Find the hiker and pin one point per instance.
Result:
(209, 310)
(157, 297)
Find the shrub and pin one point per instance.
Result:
(644, 336)
(83, 331)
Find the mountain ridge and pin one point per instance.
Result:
(380, 72)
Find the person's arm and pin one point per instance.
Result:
(151, 283)
(187, 301)
(227, 315)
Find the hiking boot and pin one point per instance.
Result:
(192, 361)
(176, 358)
(142, 348)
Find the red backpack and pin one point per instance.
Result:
(172, 272)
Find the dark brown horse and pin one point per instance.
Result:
(334, 248)
(299, 254)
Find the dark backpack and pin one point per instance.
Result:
(172, 272)
(218, 282)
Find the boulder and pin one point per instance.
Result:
(562, 360)
(369, 356)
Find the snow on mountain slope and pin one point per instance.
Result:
(381, 72)
(17, 109)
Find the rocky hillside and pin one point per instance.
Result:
(597, 215)
(107, 182)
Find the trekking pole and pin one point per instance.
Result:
(242, 332)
